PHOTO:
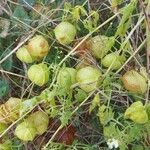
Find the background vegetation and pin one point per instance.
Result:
(78, 120)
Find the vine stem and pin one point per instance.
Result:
(61, 126)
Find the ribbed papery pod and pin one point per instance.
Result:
(134, 82)
(40, 121)
(88, 77)
(137, 113)
(13, 106)
(38, 46)
(2, 114)
(9, 111)
(24, 56)
(6, 115)
(83, 48)
(26, 131)
(113, 60)
(100, 45)
(65, 33)
(39, 74)
(66, 77)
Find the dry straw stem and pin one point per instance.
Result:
(146, 11)
(14, 74)
(148, 47)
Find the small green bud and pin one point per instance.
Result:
(26, 131)
(24, 56)
(100, 45)
(65, 33)
(137, 113)
(114, 60)
(88, 78)
(38, 46)
(39, 74)
(134, 82)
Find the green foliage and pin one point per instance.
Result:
(28, 104)
(115, 3)
(91, 24)
(137, 147)
(80, 95)
(105, 114)
(7, 64)
(111, 131)
(4, 87)
(126, 18)
(93, 99)
(2, 127)
(95, 103)
(20, 15)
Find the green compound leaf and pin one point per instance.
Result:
(126, 18)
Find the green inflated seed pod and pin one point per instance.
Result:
(134, 82)
(26, 131)
(66, 77)
(65, 33)
(40, 121)
(100, 45)
(137, 113)
(39, 74)
(13, 106)
(38, 46)
(88, 77)
(114, 60)
(24, 56)
(9, 112)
